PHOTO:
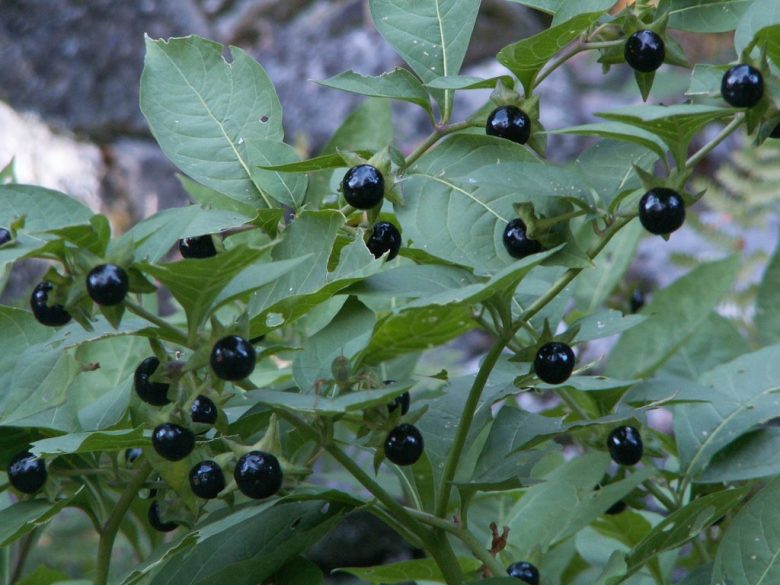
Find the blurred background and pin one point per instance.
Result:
(69, 76)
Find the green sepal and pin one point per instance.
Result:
(138, 282)
(351, 159)
(113, 314)
(644, 82)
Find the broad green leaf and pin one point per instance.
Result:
(398, 84)
(675, 125)
(748, 555)
(405, 571)
(43, 209)
(318, 163)
(761, 16)
(469, 82)
(202, 110)
(43, 575)
(90, 442)
(297, 571)
(767, 318)
(744, 394)
(20, 518)
(413, 281)
(512, 471)
(548, 6)
(211, 198)
(254, 277)
(751, 456)
(154, 236)
(618, 131)
(568, 10)
(526, 58)
(708, 16)
(673, 314)
(431, 35)
(604, 324)
(285, 188)
(706, 79)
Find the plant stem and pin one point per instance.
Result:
(707, 148)
(173, 333)
(111, 527)
(469, 408)
(439, 133)
(698, 545)
(24, 551)
(659, 495)
(572, 404)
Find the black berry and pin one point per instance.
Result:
(207, 479)
(404, 445)
(5, 236)
(363, 187)
(617, 508)
(155, 393)
(517, 242)
(107, 284)
(203, 411)
(554, 362)
(27, 473)
(742, 86)
(644, 51)
(172, 442)
(661, 211)
(232, 358)
(51, 315)
(404, 401)
(637, 300)
(258, 475)
(385, 237)
(509, 122)
(156, 523)
(625, 445)
(197, 247)
(132, 454)
(775, 132)
(524, 571)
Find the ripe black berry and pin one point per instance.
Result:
(637, 300)
(203, 411)
(404, 401)
(5, 236)
(258, 475)
(524, 571)
(207, 479)
(509, 122)
(625, 445)
(51, 315)
(404, 445)
(197, 247)
(661, 211)
(517, 242)
(554, 362)
(172, 442)
(156, 523)
(132, 454)
(155, 393)
(363, 187)
(384, 237)
(742, 86)
(232, 358)
(27, 473)
(107, 284)
(644, 51)
(616, 508)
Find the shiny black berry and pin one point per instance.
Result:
(132, 454)
(617, 508)
(51, 315)
(661, 211)
(517, 242)
(625, 445)
(644, 51)
(197, 247)
(404, 445)
(363, 187)
(509, 122)
(554, 362)
(207, 479)
(156, 523)
(385, 237)
(107, 284)
(637, 300)
(27, 473)
(742, 86)
(524, 571)
(232, 358)
(172, 442)
(203, 410)
(258, 475)
(155, 393)
(5, 236)
(404, 401)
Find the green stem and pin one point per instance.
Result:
(572, 404)
(434, 137)
(441, 552)
(111, 527)
(173, 333)
(469, 408)
(702, 550)
(659, 495)
(27, 544)
(707, 148)
(543, 224)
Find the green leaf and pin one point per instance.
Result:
(568, 10)
(43, 575)
(749, 457)
(413, 281)
(548, 6)
(210, 198)
(604, 324)
(744, 394)
(43, 209)
(22, 517)
(398, 84)
(90, 442)
(526, 58)
(203, 110)
(767, 318)
(747, 555)
(706, 16)
(405, 571)
(297, 571)
(431, 35)
(706, 79)
(469, 82)
(674, 314)
(761, 18)
(318, 163)
(286, 189)
(618, 131)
